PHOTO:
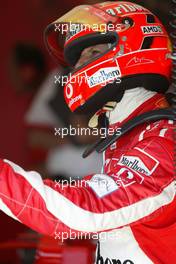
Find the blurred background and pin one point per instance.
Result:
(31, 105)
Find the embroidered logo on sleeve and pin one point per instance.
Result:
(102, 184)
(139, 161)
(126, 177)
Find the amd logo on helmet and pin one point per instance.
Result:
(151, 29)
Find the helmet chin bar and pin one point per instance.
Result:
(155, 115)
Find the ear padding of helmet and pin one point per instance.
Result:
(72, 51)
(114, 91)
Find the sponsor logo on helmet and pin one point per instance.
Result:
(69, 91)
(125, 8)
(74, 100)
(141, 162)
(103, 76)
(151, 29)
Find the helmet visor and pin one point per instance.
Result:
(83, 17)
(86, 15)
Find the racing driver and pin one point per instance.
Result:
(122, 55)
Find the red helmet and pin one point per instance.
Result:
(137, 55)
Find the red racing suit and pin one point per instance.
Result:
(131, 204)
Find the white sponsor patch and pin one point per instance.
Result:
(151, 29)
(102, 184)
(104, 75)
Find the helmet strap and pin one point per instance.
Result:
(94, 120)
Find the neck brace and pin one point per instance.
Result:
(131, 100)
